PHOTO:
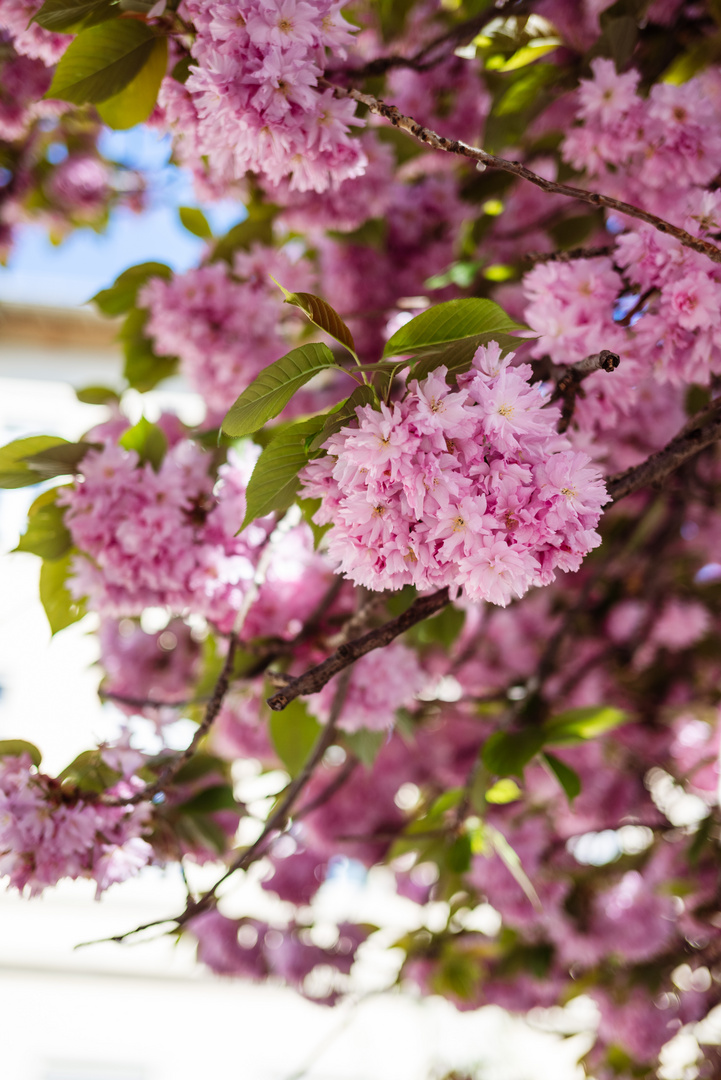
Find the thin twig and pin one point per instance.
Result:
(569, 385)
(485, 160)
(173, 767)
(535, 257)
(276, 822)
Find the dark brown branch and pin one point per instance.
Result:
(315, 679)
(485, 160)
(569, 385)
(534, 257)
(701, 431)
(174, 766)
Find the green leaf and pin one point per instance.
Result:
(15, 471)
(512, 862)
(447, 322)
(441, 629)
(294, 733)
(308, 508)
(271, 391)
(321, 314)
(148, 441)
(447, 801)
(503, 791)
(458, 855)
(61, 609)
(578, 725)
(507, 752)
(257, 228)
(274, 480)
(62, 16)
(18, 747)
(60, 460)
(458, 355)
(195, 221)
(690, 63)
(531, 52)
(365, 744)
(143, 369)
(46, 533)
(567, 777)
(211, 799)
(574, 231)
(90, 773)
(97, 395)
(345, 414)
(135, 102)
(523, 92)
(101, 61)
(621, 36)
(120, 297)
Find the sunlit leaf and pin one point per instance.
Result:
(18, 747)
(60, 607)
(293, 732)
(135, 102)
(46, 534)
(271, 391)
(447, 322)
(195, 221)
(101, 61)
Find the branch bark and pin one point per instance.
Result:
(315, 679)
(485, 160)
(701, 431)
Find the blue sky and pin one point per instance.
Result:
(72, 272)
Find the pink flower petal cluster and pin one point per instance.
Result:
(467, 488)
(223, 324)
(380, 683)
(28, 38)
(650, 148)
(23, 81)
(679, 337)
(571, 306)
(152, 539)
(255, 91)
(45, 837)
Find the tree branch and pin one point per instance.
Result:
(701, 431)
(315, 679)
(485, 160)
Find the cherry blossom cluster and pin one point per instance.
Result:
(255, 89)
(159, 538)
(28, 38)
(646, 149)
(225, 324)
(23, 81)
(168, 539)
(468, 488)
(253, 949)
(47, 833)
